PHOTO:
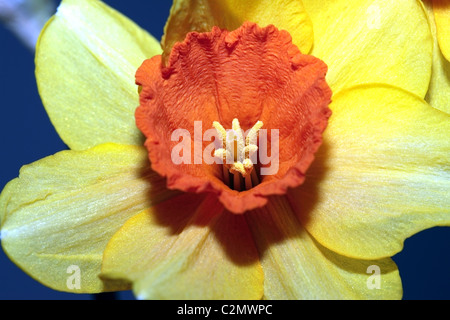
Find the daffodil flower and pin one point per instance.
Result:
(350, 188)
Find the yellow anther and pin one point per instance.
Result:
(238, 137)
(252, 135)
(237, 151)
(238, 167)
(250, 150)
(221, 154)
(221, 132)
(248, 167)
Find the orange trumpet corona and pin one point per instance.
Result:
(252, 74)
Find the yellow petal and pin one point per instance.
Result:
(86, 59)
(382, 174)
(202, 15)
(372, 41)
(297, 267)
(186, 248)
(438, 95)
(441, 10)
(63, 209)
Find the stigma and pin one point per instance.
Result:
(238, 155)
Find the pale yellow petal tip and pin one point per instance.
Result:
(441, 9)
(340, 27)
(75, 45)
(296, 266)
(43, 242)
(188, 265)
(404, 133)
(438, 94)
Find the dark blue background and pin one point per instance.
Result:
(27, 135)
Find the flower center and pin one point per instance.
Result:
(238, 155)
(253, 74)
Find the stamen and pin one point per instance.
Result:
(238, 138)
(255, 180)
(237, 181)
(236, 153)
(253, 134)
